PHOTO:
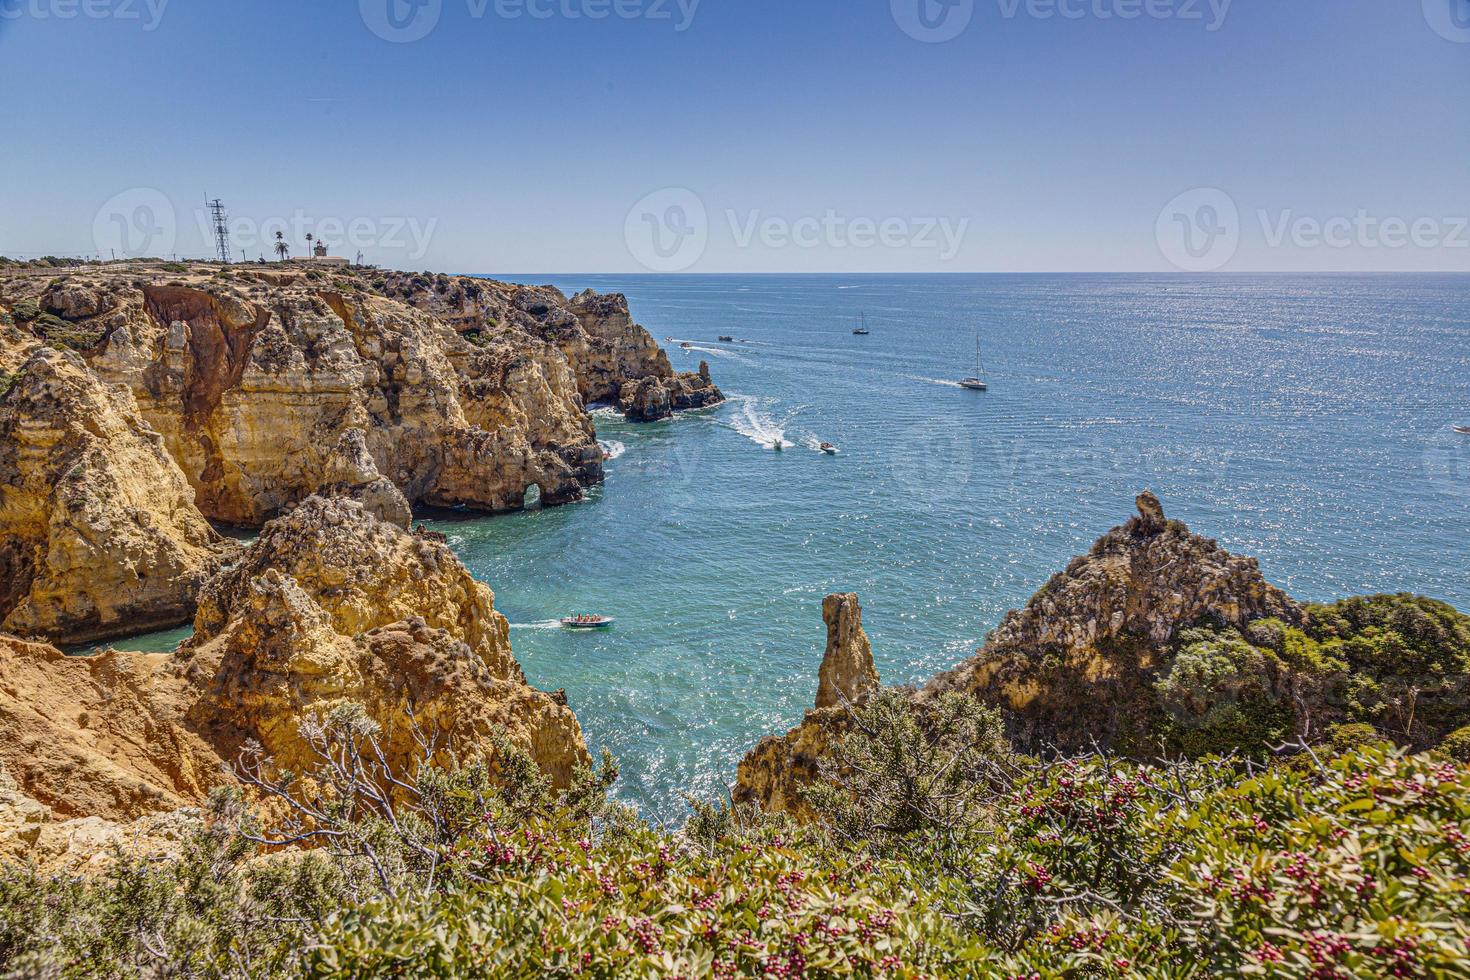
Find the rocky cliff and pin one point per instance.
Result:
(99, 535)
(466, 392)
(773, 772)
(1073, 668)
(331, 604)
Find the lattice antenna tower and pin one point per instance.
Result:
(221, 229)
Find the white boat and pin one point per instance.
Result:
(828, 448)
(977, 383)
(1463, 430)
(587, 622)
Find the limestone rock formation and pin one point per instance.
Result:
(99, 535)
(613, 358)
(101, 736)
(1073, 668)
(351, 472)
(847, 673)
(332, 605)
(1070, 667)
(773, 772)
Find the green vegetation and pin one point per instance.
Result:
(936, 852)
(175, 267)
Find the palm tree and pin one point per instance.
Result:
(309, 252)
(282, 249)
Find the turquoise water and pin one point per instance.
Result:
(1304, 420)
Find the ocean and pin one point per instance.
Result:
(1304, 420)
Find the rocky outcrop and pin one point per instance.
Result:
(102, 736)
(1073, 667)
(847, 673)
(467, 392)
(773, 772)
(614, 359)
(351, 472)
(332, 605)
(99, 535)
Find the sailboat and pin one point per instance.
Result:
(977, 383)
(863, 330)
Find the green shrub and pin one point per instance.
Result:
(1353, 736)
(1457, 745)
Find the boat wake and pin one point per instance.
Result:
(612, 449)
(757, 425)
(942, 382)
(713, 351)
(545, 624)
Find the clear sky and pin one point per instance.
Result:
(747, 135)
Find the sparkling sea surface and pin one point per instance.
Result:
(1305, 420)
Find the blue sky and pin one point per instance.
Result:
(748, 135)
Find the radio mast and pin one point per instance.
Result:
(221, 229)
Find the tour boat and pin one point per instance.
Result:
(828, 448)
(863, 330)
(1463, 430)
(726, 339)
(587, 622)
(686, 345)
(977, 383)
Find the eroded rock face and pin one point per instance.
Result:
(1074, 668)
(847, 673)
(99, 535)
(1071, 667)
(332, 605)
(351, 472)
(101, 736)
(773, 772)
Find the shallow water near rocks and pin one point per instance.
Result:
(1301, 419)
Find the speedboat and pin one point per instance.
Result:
(778, 445)
(686, 345)
(726, 339)
(587, 622)
(1463, 430)
(828, 448)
